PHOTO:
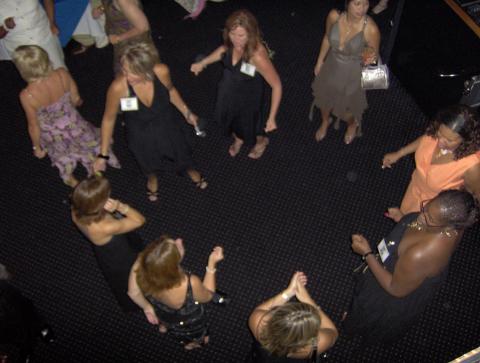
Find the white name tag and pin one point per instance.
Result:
(129, 104)
(383, 250)
(248, 69)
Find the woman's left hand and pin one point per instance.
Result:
(40, 153)
(271, 125)
(216, 255)
(369, 56)
(360, 244)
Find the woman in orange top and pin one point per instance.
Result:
(446, 157)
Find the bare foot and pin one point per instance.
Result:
(258, 150)
(234, 149)
(162, 328)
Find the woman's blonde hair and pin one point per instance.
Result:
(289, 328)
(32, 62)
(159, 267)
(246, 20)
(89, 198)
(141, 59)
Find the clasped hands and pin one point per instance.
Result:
(297, 285)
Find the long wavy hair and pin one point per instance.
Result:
(462, 120)
(246, 20)
(159, 267)
(290, 327)
(88, 199)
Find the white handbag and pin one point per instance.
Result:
(375, 77)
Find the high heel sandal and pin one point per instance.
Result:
(201, 184)
(152, 195)
(349, 135)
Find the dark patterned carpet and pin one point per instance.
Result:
(294, 209)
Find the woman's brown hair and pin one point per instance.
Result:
(159, 267)
(141, 58)
(290, 328)
(89, 198)
(246, 20)
(462, 120)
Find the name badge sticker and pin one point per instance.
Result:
(248, 69)
(129, 104)
(383, 250)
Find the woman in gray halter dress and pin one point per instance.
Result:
(351, 38)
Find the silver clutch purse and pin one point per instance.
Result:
(375, 77)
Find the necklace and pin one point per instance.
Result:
(349, 27)
(416, 226)
(420, 227)
(443, 152)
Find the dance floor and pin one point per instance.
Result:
(294, 209)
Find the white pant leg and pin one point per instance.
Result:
(4, 54)
(94, 27)
(54, 49)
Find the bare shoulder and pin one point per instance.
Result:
(428, 255)
(25, 95)
(333, 15)
(62, 72)
(260, 53)
(161, 70)
(325, 339)
(195, 281)
(119, 85)
(257, 321)
(371, 27)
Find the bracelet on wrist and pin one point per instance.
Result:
(102, 156)
(210, 270)
(364, 257)
(286, 296)
(125, 209)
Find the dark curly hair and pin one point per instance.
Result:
(462, 120)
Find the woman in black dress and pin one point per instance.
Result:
(170, 296)
(287, 331)
(240, 94)
(109, 225)
(393, 292)
(145, 93)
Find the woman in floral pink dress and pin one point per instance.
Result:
(54, 124)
